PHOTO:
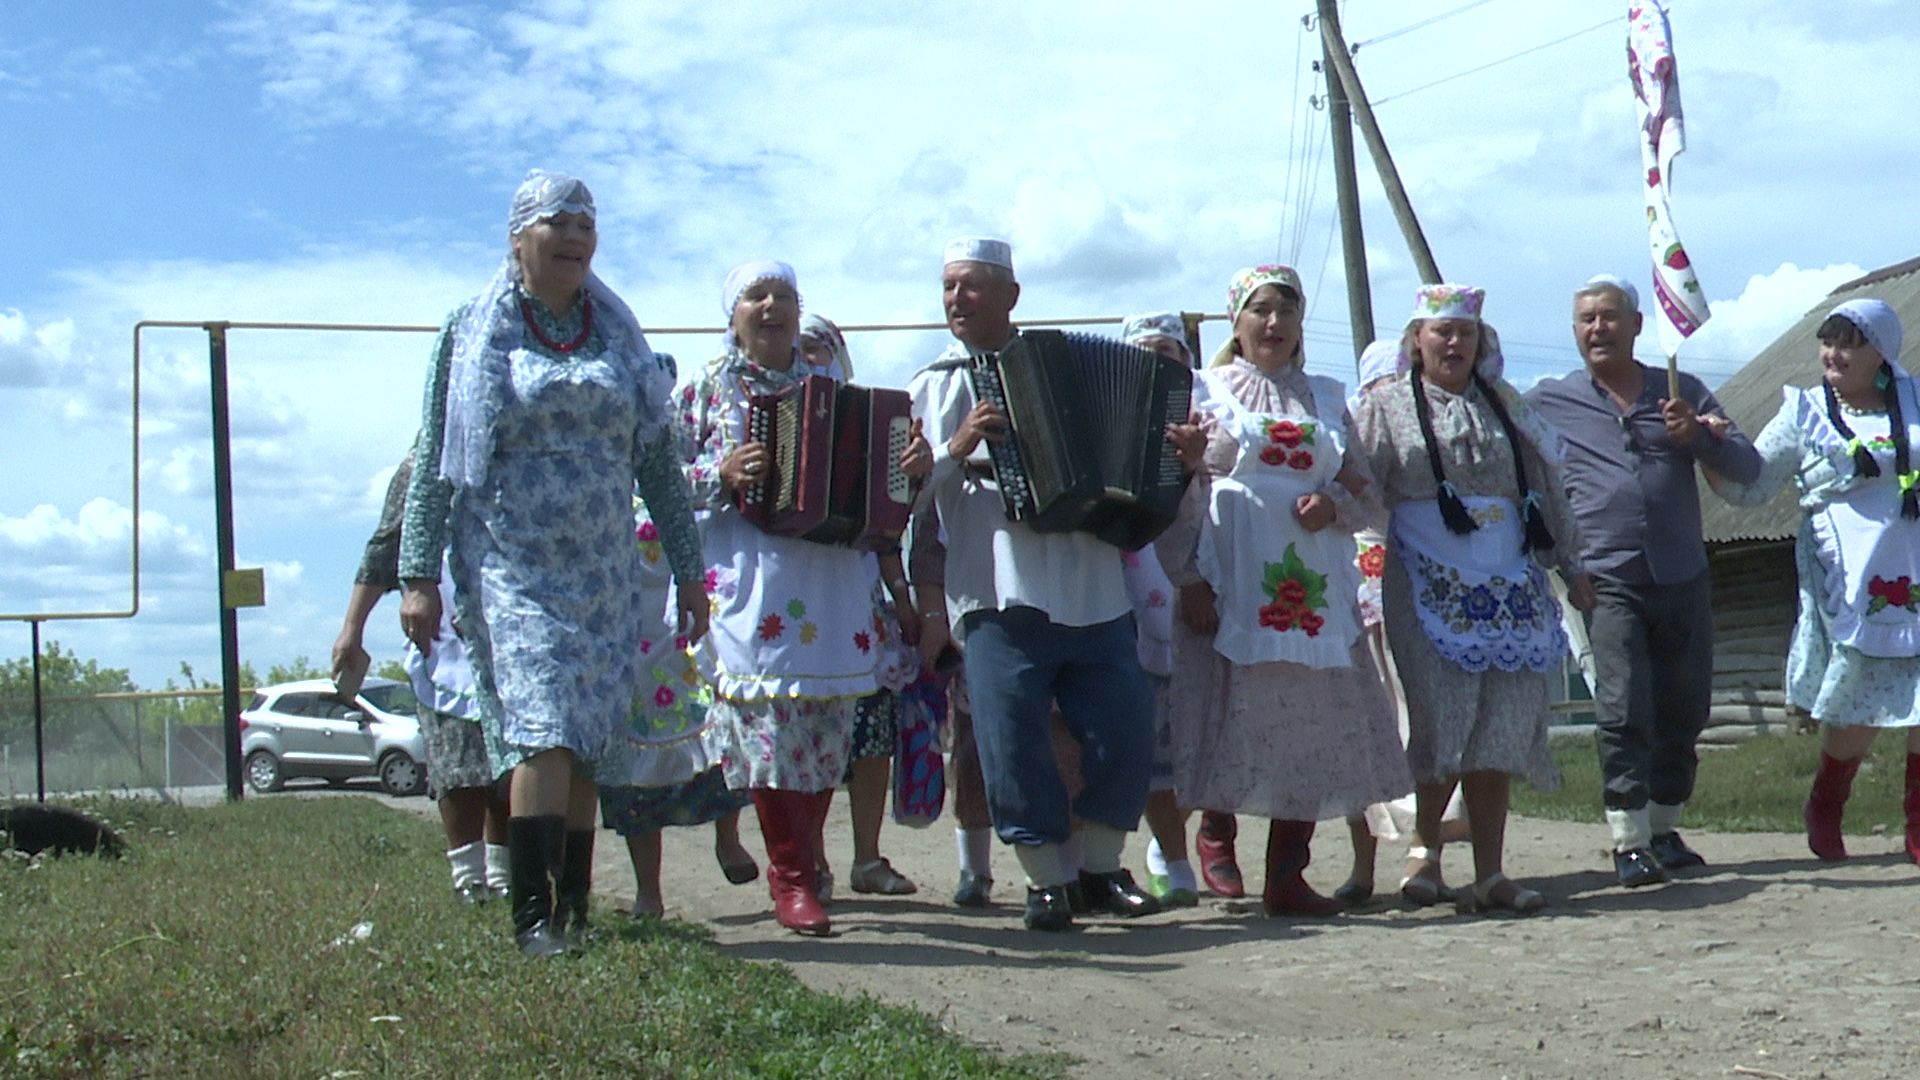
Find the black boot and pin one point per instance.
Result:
(573, 885)
(534, 848)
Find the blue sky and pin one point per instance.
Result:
(351, 160)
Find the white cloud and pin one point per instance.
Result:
(1133, 170)
(1767, 306)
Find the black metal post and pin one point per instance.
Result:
(223, 531)
(39, 719)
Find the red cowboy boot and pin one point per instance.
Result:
(1911, 804)
(1289, 850)
(787, 823)
(1827, 804)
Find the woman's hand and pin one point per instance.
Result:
(1189, 442)
(1349, 477)
(1314, 511)
(936, 636)
(985, 422)
(917, 459)
(691, 599)
(1580, 591)
(746, 464)
(1196, 608)
(420, 614)
(350, 663)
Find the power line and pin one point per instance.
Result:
(1601, 25)
(1422, 24)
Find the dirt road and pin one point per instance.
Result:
(1767, 964)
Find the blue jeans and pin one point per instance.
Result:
(1019, 663)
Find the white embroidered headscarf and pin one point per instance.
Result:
(746, 276)
(493, 329)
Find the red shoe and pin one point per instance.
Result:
(788, 823)
(1827, 804)
(1911, 804)
(1219, 866)
(1289, 851)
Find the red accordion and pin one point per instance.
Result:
(835, 454)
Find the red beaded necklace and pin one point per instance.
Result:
(586, 326)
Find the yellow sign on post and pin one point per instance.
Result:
(244, 588)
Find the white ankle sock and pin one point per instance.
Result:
(976, 851)
(1072, 856)
(1156, 859)
(498, 876)
(1099, 847)
(1042, 864)
(468, 863)
(1662, 819)
(1180, 876)
(1630, 828)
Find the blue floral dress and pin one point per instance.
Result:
(545, 570)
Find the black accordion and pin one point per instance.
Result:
(836, 476)
(1087, 450)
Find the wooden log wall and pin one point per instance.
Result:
(1755, 598)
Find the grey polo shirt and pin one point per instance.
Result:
(1632, 486)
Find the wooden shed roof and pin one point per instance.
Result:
(1752, 395)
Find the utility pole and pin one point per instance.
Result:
(1353, 243)
(1349, 79)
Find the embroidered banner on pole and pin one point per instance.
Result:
(1656, 88)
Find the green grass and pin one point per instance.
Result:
(216, 949)
(1755, 786)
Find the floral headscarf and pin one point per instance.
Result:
(1241, 289)
(492, 329)
(839, 365)
(1443, 301)
(1166, 324)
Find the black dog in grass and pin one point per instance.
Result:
(35, 827)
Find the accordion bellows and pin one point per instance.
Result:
(836, 476)
(1088, 450)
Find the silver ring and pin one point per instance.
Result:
(753, 468)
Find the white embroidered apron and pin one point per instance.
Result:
(1283, 593)
(1482, 601)
(1872, 558)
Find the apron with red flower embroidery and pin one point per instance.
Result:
(1871, 553)
(1283, 593)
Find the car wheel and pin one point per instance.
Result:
(263, 772)
(401, 775)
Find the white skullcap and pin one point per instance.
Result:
(981, 249)
(1613, 281)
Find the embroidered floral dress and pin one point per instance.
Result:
(793, 644)
(1854, 658)
(546, 576)
(664, 768)
(1466, 712)
(1299, 728)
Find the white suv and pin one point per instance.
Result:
(304, 729)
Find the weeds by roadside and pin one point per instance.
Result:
(317, 938)
(1753, 786)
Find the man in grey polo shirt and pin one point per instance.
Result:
(1630, 478)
